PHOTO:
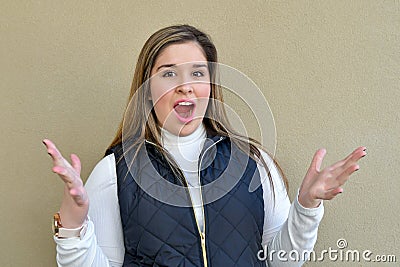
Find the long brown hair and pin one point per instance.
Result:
(140, 118)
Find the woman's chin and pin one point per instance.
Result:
(184, 129)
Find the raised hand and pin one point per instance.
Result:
(327, 183)
(75, 202)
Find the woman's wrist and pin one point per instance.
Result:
(307, 201)
(73, 215)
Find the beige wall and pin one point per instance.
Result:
(329, 69)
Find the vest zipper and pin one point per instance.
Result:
(201, 233)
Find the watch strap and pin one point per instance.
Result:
(72, 232)
(60, 232)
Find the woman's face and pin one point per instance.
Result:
(180, 87)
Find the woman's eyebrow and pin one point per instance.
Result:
(174, 65)
(199, 65)
(166, 66)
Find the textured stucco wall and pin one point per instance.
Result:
(329, 69)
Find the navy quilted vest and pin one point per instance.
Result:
(163, 234)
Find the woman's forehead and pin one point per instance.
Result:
(177, 54)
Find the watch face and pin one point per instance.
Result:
(56, 223)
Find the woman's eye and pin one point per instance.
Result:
(198, 74)
(169, 74)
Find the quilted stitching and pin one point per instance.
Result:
(158, 234)
(233, 216)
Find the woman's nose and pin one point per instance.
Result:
(185, 88)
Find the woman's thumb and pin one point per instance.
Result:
(317, 159)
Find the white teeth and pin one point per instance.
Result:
(185, 103)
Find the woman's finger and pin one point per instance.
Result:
(337, 182)
(66, 171)
(53, 152)
(342, 179)
(353, 155)
(76, 163)
(332, 182)
(339, 167)
(351, 161)
(65, 174)
(332, 193)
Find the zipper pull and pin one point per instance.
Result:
(203, 239)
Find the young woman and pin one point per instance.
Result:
(154, 197)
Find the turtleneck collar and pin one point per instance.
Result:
(168, 139)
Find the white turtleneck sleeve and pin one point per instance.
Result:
(286, 226)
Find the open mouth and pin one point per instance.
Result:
(184, 110)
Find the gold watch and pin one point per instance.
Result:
(61, 232)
